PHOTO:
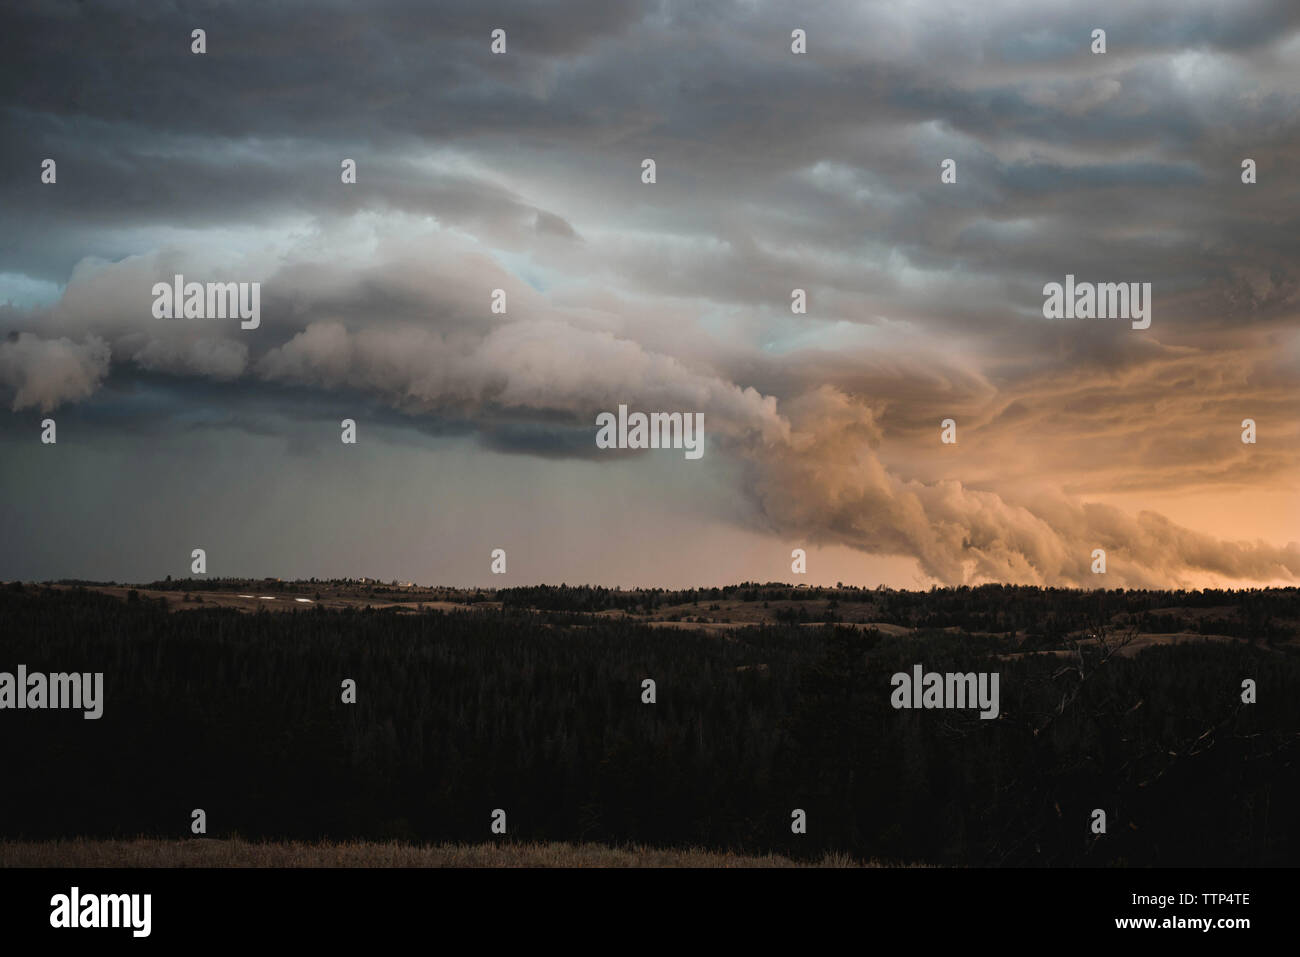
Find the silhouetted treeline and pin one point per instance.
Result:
(459, 714)
(1260, 613)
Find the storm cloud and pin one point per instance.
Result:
(776, 171)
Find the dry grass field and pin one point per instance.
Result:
(204, 852)
(716, 617)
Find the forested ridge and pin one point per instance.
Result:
(540, 713)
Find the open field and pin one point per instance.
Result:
(203, 852)
(1167, 618)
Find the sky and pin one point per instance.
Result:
(774, 171)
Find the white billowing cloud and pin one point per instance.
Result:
(827, 484)
(45, 373)
(543, 365)
(212, 358)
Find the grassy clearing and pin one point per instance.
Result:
(204, 852)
